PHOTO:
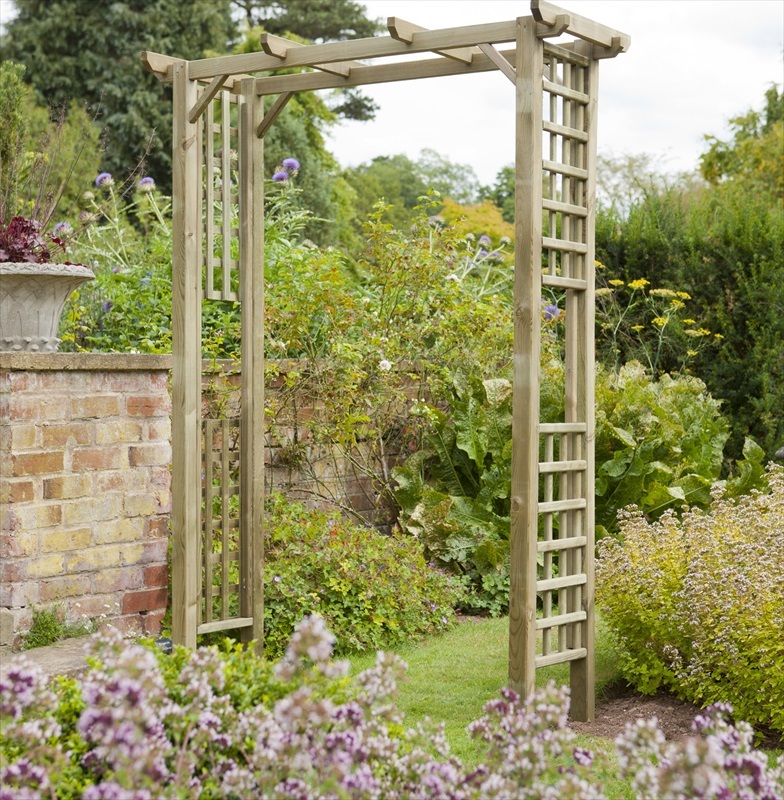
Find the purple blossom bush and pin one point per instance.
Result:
(143, 725)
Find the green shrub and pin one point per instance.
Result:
(697, 604)
(373, 590)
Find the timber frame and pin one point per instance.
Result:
(218, 253)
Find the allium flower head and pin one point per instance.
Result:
(280, 177)
(105, 179)
(147, 184)
(290, 164)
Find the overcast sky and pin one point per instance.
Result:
(692, 65)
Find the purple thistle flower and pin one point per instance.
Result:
(104, 179)
(485, 239)
(482, 253)
(147, 185)
(107, 305)
(551, 312)
(280, 177)
(62, 228)
(290, 164)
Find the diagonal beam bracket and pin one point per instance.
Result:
(499, 61)
(206, 96)
(272, 114)
(279, 47)
(404, 32)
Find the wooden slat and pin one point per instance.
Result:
(406, 31)
(186, 364)
(565, 169)
(562, 505)
(566, 52)
(561, 619)
(206, 97)
(561, 466)
(562, 130)
(564, 246)
(561, 544)
(557, 282)
(225, 518)
(562, 427)
(225, 194)
(547, 571)
(564, 208)
(560, 657)
(560, 583)
(527, 344)
(374, 47)
(581, 27)
(563, 91)
(210, 426)
(225, 625)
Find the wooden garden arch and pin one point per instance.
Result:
(218, 253)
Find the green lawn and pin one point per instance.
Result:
(451, 677)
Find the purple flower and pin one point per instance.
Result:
(551, 312)
(147, 185)
(107, 305)
(290, 164)
(62, 228)
(485, 239)
(104, 179)
(280, 177)
(482, 253)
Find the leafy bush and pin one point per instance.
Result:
(698, 603)
(212, 724)
(373, 590)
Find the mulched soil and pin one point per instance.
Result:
(623, 705)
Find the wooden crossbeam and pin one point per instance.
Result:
(378, 73)
(161, 66)
(405, 31)
(279, 47)
(373, 47)
(582, 27)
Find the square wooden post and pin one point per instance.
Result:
(527, 335)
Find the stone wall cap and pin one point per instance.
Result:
(77, 362)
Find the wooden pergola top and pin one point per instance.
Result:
(464, 49)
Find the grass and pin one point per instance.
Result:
(451, 677)
(48, 628)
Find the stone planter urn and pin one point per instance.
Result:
(32, 297)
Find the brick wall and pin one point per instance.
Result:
(84, 488)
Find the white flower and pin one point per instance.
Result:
(453, 277)
(385, 365)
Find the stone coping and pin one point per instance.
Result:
(85, 362)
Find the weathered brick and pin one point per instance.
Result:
(155, 552)
(141, 505)
(20, 381)
(94, 458)
(157, 527)
(144, 455)
(95, 558)
(19, 491)
(45, 461)
(66, 433)
(144, 600)
(7, 627)
(130, 625)
(45, 566)
(94, 606)
(38, 407)
(92, 509)
(118, 580)
(65, 586)
(152, 622)
(118, 530)
(126, 480)
(18, 544)
(62, 541)
(21, 593)
(33, 516)
(13, 571)
(153, 405)
(9, 520)
(116, 431)
(95, 406)
(133, 553)
(24, 437)
(157, 478)
(66, 487)
(155, 576)
(158, 430)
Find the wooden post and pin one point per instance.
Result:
(251, 266)
(527, 326)
(186, 363)
(582, 671)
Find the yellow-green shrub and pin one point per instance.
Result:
(697, 603)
